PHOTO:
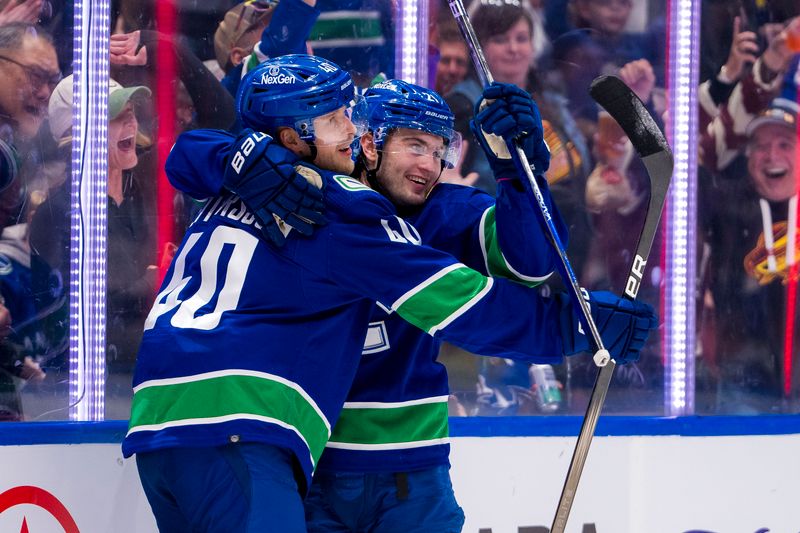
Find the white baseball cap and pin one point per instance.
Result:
(60, 107)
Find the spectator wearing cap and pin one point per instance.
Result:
(749, 229)
(131, 226)
(731, 100)
(240, 30)
(771, 151)
(256, 30)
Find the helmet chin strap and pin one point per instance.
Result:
(313, 155)
(372, 175)
(436, 181)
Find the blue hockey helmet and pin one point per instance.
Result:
(291, 91)
(396, 104)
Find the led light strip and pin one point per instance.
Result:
(88, 220)
(411, 41)
(680, 263)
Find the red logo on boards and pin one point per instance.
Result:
(40, 498)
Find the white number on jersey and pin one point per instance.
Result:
(244, 245)
(407, 233)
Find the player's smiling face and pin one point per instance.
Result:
(410, 166)
(771, 160)
(334, 132)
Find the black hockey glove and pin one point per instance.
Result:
(261, 172)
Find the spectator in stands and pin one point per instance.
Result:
(131, 280)
(730, 100)
(15, 368)
(505, 32)
(29, 72)
(749, 229)
(454, 61)
(358, 35)
(607, 20)
(262, 29)
(238, 33)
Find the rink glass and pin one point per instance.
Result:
(84, 337)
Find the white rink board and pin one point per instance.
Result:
(664, 484)
(630, 484)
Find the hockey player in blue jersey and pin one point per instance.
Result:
(386, 465)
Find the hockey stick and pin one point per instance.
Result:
(579, 301)
(626, 108)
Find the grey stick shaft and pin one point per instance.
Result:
(581, 452)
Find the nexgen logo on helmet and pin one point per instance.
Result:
(279, 79)
(290, 92)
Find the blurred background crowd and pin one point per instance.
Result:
(746, 355)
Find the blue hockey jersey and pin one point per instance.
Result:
(247, 342)
(395, 417)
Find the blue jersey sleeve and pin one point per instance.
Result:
(196, 162)
(524, 249)
(503, 239)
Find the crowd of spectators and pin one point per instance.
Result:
(552, 48)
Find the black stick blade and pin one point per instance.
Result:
(629, 111)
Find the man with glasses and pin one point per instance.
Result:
(28, 74)
(29, 70)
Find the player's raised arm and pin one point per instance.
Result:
(378, 255)
(515, 241)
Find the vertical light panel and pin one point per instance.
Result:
(88, 225)
(411, 41)
(680, 265)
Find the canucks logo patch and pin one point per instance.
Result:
(349, 184)
(6, 266)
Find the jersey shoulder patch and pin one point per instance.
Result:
(349, 184)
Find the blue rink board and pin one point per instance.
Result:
(113, 431)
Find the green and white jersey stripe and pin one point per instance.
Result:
(347, 28)
(391, 426)
(495, 261)
(228, 395)
(439, 300)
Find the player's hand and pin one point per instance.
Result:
(261, 172)
(624, 326)
(507, 114)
